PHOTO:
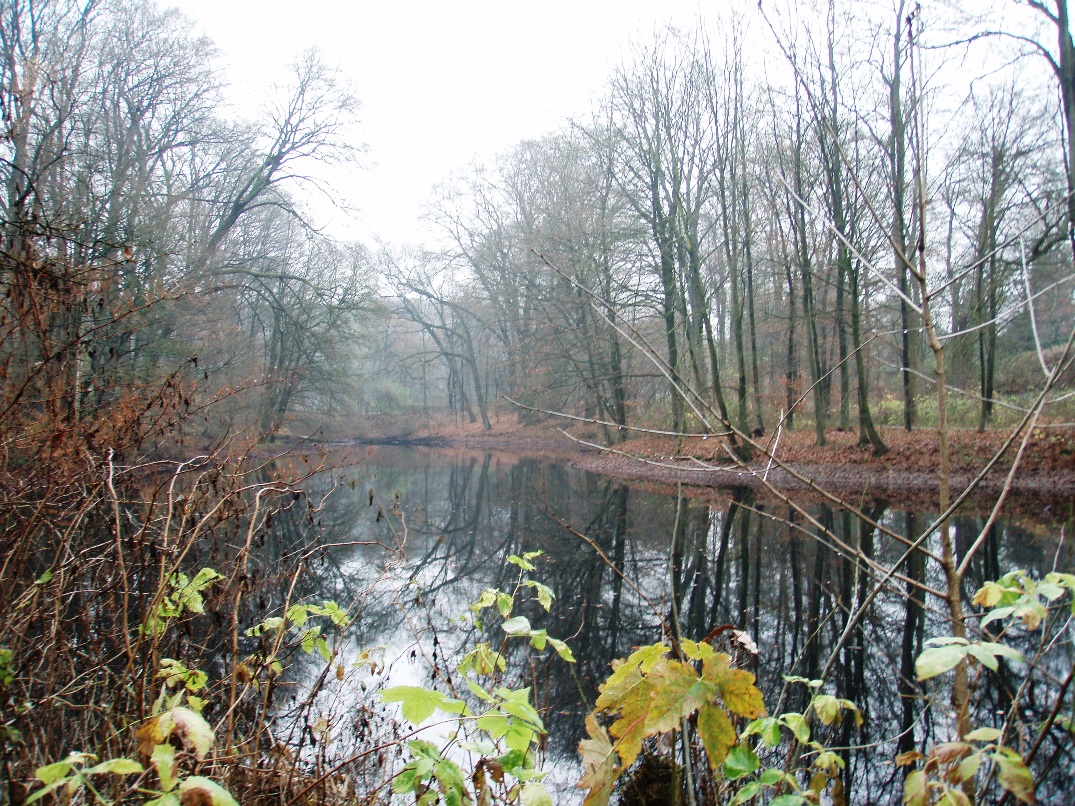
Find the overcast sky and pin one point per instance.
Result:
(439, 82)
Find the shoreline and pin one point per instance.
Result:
(1044, 485)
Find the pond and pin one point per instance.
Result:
(412, 536)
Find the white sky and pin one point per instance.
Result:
(440, 82)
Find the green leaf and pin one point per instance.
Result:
(830, 762)
(538, 639)
(741, 761)
(774, 776)
(794, 678)
(1050, 590)
(519, 736)
(562, 649)
(946, 640)
(418, 704)
(163, 760)
(788, 800)
(520, 625)
(504, 603)
(1003, 650)
(48, 790)
(798, 725)
(768, 728)
(996, 615)
(987, 659)
(983, 735)
(968, 767)
(483, 660)
(116, 766)
(478, 691)
(324, 650)
(544, 593)
(522, 562)
(1063, 580)
(206, 791)
(827, 708)
(693, 650)
(749, 790)
(627, 674)
(487, 599)
(534, 793)
(916, 789)
(53, 772)
(938, 660)
(1013, 774)
(336, 614)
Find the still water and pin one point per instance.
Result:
(411, 536)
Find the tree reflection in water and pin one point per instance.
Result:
(455, 517)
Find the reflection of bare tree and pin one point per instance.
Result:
(791, 582)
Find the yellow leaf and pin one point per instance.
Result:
(988, 595)
(630, 728)
(598, 763)
(191, 728)
(619, 688)
(916, 789)
(677, 693)
(716, 732)
(627, 673)
(737, 688)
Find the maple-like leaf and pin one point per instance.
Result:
(737, 688)
(678, 692)
(630, 728)
(619, 688)
(600, 770)
(716, 732)
(626, 674)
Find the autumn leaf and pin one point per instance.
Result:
(716, 732)
(989, 595)
(1013, 774)
(199, 791)
(190, 727)
(736, 686)
(916, 789)
(628, 673)
(630, 728)
(619, 688)
(677, 693)
(827, 708)
(600, 770)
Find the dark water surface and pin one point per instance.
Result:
(442, 524)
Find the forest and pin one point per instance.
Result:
(817, 217)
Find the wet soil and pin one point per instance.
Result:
(1043, 484)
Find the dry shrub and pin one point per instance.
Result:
(98, 523)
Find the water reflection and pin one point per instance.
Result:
(417, 534)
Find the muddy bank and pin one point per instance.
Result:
(1044, 484)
